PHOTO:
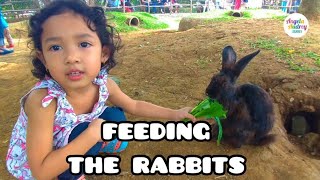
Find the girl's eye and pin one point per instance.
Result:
(85, 44)
(55, 48)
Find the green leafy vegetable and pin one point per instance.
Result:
(210, 109)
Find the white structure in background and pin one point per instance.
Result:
(254, 4)
(208, 6)
(211, 5)
(227, 4)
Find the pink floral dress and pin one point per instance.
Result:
(64, 121)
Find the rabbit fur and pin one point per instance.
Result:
(250, 115)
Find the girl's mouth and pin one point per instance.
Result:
(75, 75)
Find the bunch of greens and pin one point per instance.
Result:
(210, 109)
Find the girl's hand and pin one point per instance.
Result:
(95, 129)
(184, 113)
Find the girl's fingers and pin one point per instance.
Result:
(192, 117)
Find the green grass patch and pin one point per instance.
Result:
(313, 56)
(280, 18)
(309, 41)
(220, 19)
(227, 14)
(223, 17)
(289, 55)
(246, 14)
(203, 62)
(147, 21)
(264, 44)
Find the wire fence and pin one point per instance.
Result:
(12, 12)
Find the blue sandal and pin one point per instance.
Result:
(113, 114)
(114, 146)
(5, 51)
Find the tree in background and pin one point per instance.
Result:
(310, 9)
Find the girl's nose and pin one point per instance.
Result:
(71, 57)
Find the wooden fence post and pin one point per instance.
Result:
(124, 6)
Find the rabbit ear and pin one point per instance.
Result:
(229, 58)
(242, 63)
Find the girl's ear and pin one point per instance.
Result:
(40, 56)
(105, 54)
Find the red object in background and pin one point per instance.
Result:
(127, 9)
(237, 5)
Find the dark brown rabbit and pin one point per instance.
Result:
(250, 114)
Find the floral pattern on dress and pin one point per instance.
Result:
(64, 121)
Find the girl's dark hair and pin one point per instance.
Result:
(93, 16)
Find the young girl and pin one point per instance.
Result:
(60, 115)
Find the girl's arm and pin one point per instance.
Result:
(46, 163)
(142, 108)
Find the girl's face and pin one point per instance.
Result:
(71, 51)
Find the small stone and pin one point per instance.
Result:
(265, 155)
(299, 126)
(291, 99)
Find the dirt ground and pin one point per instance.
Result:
(172, 69)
